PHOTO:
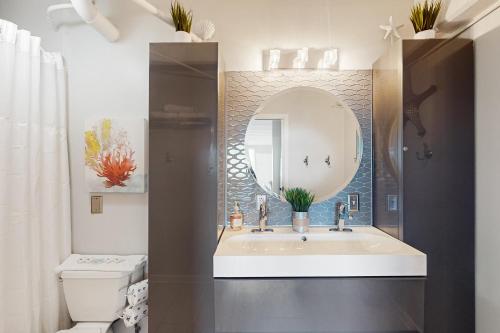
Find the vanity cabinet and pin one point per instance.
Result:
(423, 185)
(363, 281)
(183, 108)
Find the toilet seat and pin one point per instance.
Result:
(103, 327)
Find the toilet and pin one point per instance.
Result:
(95, 288)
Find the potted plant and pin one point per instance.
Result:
(183, 20)
(301, 200)
(423, 17)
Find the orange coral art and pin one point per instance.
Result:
(109, 155)
(116, 168)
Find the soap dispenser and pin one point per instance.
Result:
(236, 218)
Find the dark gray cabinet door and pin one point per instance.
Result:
(182, 186)
(438, 176)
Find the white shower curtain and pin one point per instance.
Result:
(35, 233)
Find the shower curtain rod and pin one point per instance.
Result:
(89, 13)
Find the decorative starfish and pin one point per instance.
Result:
(391, 29)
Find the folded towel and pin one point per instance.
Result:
(134, 314)
(137, 293)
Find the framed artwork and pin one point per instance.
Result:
(115, 155)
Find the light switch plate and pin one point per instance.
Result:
(261, 199)
(392, 203)
(353, 202)
(96, 204)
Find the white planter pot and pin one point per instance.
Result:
(182, 37)
(426, 34)
(300, 221)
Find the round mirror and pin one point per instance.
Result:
(304, 137)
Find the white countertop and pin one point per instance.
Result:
(366, 251)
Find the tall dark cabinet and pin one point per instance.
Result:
(183, 105)
(423, 190)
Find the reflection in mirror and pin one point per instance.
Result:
(304, 137)
(264, 151)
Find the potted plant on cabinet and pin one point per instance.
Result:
(301, 200)
(183, 20)
(423, 17)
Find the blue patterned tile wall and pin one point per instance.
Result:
(245, 92)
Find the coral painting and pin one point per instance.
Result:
(115, 155)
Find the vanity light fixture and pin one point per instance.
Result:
(274, 59)
(303, 58)
(329, 60)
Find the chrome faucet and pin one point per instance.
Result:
(262, 219)
(340, 214)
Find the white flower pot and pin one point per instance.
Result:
(182, 37)
(426, 34)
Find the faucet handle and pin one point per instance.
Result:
(263, 209)
(340, 212)
(340, 208)
(262, 219)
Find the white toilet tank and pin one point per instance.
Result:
(95, 286)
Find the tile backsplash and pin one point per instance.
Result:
(245, 92)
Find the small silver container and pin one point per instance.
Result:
(300, 221)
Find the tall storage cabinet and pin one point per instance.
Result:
(423, 188)
(183, 103)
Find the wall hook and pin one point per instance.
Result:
(306, 160)
(427, 153)
(327, 161)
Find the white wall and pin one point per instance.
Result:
(112, 79)
(488, 182)
(487, 52)
(247, 27)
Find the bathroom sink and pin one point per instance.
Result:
(366, 251)
(315, 243)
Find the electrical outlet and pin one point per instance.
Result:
(261, 199)
(96, 204)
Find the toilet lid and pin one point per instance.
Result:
(102, 263)
(88, 328)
